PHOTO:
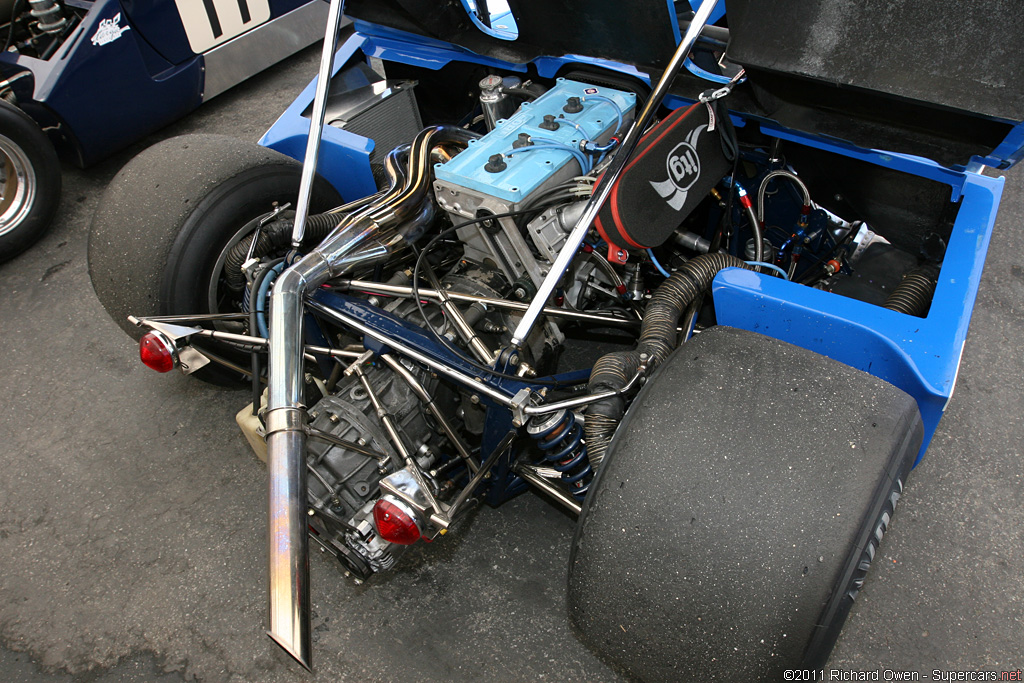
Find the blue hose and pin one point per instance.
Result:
(584, 165)
(706, 75)
(657, 264)
(618, 110)
(768, 265)
(579, 129)
(583, 134)
(261, 298)
(594, 148)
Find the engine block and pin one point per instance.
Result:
(486, 179)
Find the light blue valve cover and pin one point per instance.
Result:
(528, 170)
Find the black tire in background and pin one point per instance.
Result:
(742, 500)
(31, 182)
(165, 221)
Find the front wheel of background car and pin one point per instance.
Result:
(160, 235)
(738, 510)
(30, 180)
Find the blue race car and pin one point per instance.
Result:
(88, 78)
(703, 281)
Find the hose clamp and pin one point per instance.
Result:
(285, 420)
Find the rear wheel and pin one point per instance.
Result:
(161, 235)
(30, 180)
(742, 500)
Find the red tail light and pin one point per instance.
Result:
(157, 352)
(395, 522)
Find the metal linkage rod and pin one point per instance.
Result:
(463, 328)
(428, 401)
(531, 476)
(460, 499)
(392, 429)
(404, 291)
(316, 126)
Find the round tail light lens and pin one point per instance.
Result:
(395, 522)
(157, 352)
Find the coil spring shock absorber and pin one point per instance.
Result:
(560, 438)
(48, 14)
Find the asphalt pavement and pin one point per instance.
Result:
(132, 521)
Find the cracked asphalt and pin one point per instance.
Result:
(132, 511)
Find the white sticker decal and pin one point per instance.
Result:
(108, 31)
(208, 23)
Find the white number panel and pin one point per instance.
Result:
(209, 23)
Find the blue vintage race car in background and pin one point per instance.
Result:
(88, 78)
(704, 285)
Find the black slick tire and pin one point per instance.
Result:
(738, 510)
(32, 182)
(168, 216)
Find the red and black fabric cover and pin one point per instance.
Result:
(673, 168)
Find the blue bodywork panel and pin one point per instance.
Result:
(158, 24)
(526, 169)
(921, 356)
(345, 157)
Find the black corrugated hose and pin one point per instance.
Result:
(913, 295)
(276, 235)
(657, 340)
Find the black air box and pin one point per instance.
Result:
(673, 168)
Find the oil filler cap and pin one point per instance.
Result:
(549, 122)
(495, 164)
(522, 141)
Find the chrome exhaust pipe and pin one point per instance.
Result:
(365, 237)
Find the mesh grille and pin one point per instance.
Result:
(392, 122)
